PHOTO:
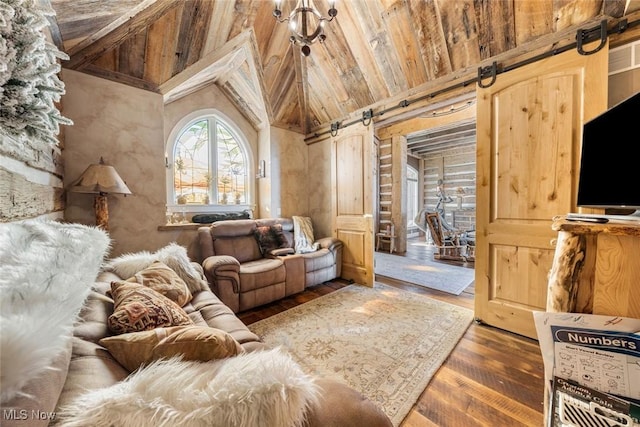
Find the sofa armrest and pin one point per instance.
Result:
(330, 243)
(222, 267)
(281, 252)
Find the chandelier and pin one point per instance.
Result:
(306, 23)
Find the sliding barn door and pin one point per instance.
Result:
(529, 129)
(352, 171)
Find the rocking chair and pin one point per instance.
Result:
(448, 244)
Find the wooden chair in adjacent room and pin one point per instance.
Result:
(448, 244)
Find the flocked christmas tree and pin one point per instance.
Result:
(29, 83)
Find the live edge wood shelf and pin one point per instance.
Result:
(596, 269)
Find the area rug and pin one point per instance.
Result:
(441, 276)
(382, 341)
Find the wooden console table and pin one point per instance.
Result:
(596, 268)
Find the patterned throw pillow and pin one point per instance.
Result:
(200, 343)
(270, 237)
(138, 308)
(159, 277)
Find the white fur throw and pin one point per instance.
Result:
(173, 255)
(265, 388)
(47, 272)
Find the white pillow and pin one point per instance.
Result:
(172, 255)
(259, 389)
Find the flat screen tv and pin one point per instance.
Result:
(609, 166)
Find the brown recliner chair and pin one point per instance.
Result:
(243, 278)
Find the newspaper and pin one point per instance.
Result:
(595, 353)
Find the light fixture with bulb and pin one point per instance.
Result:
(306, 23)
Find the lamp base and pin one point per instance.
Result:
(102, 211)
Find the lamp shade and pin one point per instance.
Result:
(100, 179)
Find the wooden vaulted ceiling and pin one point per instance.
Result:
(375, 49)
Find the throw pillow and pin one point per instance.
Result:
(200, 343)
(173, 255)
(138, 308)
(260, 388)
(164, 280)
(270, 237)
(303, 235)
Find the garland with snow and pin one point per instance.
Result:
(29, 83)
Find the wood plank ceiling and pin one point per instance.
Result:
(375, 50)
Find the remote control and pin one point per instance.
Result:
(595, 219)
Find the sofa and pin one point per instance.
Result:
(59, 306)
(245, 273)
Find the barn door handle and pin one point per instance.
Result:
(491, 70)
(587, 36)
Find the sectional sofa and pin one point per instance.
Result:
(62, 364)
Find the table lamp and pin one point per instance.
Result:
(100, 179)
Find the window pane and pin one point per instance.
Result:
(232, 170)
(191, 168)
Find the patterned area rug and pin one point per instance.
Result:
(384, 342)
(431, 274)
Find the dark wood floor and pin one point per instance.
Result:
(492, 378)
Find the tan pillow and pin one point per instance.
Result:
(200, 343)
(159, 277)
(138, 308)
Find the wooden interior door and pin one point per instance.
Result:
(353, 192)
(529, 130)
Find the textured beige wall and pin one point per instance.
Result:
(129, 128)
(125, 126)
(319, 186)
(289, 187)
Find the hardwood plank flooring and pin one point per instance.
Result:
(492, 378)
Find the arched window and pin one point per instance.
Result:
(208, 165)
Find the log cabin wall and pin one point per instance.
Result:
(30, 182)
(456, 167)
(624, 72)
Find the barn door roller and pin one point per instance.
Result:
(491, 70)
(586, 36)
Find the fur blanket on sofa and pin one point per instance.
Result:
(47, 272)
(259, 389)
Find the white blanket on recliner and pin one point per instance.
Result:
(303, 235)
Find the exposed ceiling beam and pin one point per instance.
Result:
(302, 83)
(111, 36)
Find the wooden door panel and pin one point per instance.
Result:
(353, 258)
(528, 144)
(519, 264)
(350, 168)
(353, 158)
(533, 180)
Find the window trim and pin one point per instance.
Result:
(169, 160)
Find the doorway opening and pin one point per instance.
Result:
(439, 177)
